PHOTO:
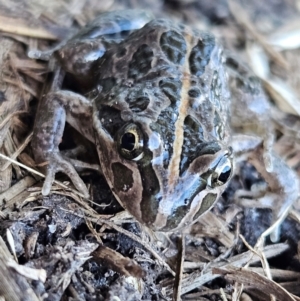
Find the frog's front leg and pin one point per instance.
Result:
(78, 53)
(53, 111)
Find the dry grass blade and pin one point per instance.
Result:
(284, 95)
(276, 273)
(40, 174)
(287, 37)
(250, 278)
(23, 87)
(179, 270)
(11, 243)
(197, 279)
(223, 295)
(30, 273)
(242, 18)
(23, 27)
(214, 226)
(94, 232)
(18, 152)
(13, 286)
(260, 254)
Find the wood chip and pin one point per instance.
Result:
(117, 262)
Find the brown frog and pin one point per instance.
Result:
(156, 103)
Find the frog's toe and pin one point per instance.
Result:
(48, 181)
(58, 164)
(268, 160)
(40, 55)
(67, 168)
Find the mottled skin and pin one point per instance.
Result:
(158, 115)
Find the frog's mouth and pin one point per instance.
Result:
(186, 215)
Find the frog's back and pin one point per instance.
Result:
(161, 43)
(169, 79)
(170, 58)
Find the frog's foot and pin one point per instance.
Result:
(258, 197)
(73, 153)
(44, 55)
(282, 192)
(39, 54)
(56, 163)
(257, 191)
(268, 155)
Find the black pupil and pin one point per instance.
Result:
(223, 177)
(128, 141)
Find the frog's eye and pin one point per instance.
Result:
(221, 173)
(130, 142)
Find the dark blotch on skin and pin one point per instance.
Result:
(171, 88)
(176, 218)
(107, 84)
(121, 52)
(232, 63)
(207, 202)
(138, 104)
(194, 92)
(194, 144)
(200, 55)
(123, 179)
(217, 120)
(165, 126)
(209, 148)
(165, 123)
(140, 63)
(193, 139)
(174, 46)
(161, 22)
(150, 201)
(179, 212)
(106, 115)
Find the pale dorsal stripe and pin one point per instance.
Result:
(174, 165)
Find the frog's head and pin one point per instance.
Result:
(166, 161)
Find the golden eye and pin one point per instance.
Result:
(130, 141)
(221, 173)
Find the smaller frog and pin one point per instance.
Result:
(154, 98)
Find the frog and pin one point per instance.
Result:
(156, 99)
